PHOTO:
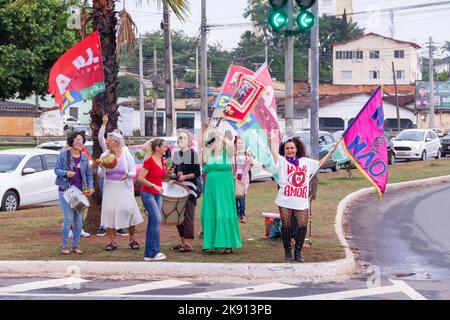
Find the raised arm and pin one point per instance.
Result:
(101, 133)
(274, 146)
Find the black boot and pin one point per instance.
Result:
(286, 235)
(299, 240)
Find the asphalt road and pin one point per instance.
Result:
(402, 245)
(406, 236)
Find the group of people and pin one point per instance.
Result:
(224, 161)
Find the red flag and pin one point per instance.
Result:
(78, 73)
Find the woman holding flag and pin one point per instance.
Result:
(294, 173)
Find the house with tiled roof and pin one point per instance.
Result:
(368, 59)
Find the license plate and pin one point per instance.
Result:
(402, 153)
(448, 147)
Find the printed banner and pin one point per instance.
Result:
(78, 73)
(258, 108)
(365, 144)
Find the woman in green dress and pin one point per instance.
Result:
(218, 214)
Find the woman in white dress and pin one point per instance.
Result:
(119, 207)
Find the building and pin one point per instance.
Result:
(17, 119)
(335, 7)
(368, 60)
(339, 105)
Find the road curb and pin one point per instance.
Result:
(220, 272)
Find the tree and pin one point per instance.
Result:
(31, 39)
(128, 86)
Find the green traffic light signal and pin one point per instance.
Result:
(305, 20)
(278, 19)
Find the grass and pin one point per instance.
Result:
(34, 234)
(6, 147)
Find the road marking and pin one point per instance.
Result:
(241, 291)
(396, 287)
(42, 285)
(136, 288)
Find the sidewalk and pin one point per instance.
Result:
(219, 272)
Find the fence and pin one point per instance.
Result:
(34, 141)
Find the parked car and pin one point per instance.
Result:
(326, 141)
(59, 145)
(27, 177)
(417, 144)
(445, 145)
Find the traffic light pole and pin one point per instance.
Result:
(314, 126)
(289, 71)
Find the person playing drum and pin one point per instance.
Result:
(186, 171)
(151, 176)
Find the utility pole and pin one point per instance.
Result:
(289, 71)
(203, 68)
(196, 68)
(431, 79)
(141, 89)
(155, 92)
(169, 91)
(210, 74)
(266, 55)
(396, 97)
(314, 125)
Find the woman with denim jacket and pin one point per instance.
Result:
(73, 169)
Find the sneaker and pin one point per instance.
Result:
(122, 232)
(101, 232)
(84, 234)
(160, 256)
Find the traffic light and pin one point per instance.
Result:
(278, 18)
(305, 19)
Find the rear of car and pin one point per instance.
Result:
(445, 142)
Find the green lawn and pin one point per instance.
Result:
(35, 233)
(3, 147)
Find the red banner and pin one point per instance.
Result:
(78, 73)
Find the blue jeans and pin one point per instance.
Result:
(153, 204)
(240, 205)
(70, 218)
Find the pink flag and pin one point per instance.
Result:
(365, 144)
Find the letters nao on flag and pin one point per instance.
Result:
(78, 73)
(365, 144)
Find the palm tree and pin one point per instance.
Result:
(105, 21)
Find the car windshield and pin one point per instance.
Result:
(410, 136)
(138, 154)
(9, 162)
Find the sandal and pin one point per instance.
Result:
(66, 251)
(77, 250)
(228, 251)
(111, 247)
(134, 245)
(177, 247)
(186, 248)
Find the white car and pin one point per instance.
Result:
(417, 144)
(27, 177)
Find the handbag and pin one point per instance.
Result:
(239, 188)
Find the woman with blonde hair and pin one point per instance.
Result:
(119, 207)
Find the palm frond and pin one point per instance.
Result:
(20, 3)
(127, 33)
(179, 7)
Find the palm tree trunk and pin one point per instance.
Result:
(105, 22)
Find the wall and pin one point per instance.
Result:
(17, 126)
(360, 68)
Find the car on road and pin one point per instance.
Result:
(419, 144)
(445, 144)
(27, 177)
(326, 141)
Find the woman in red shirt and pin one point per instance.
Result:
(151, 176)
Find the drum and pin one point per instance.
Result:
(175, 197)
(76, 199)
